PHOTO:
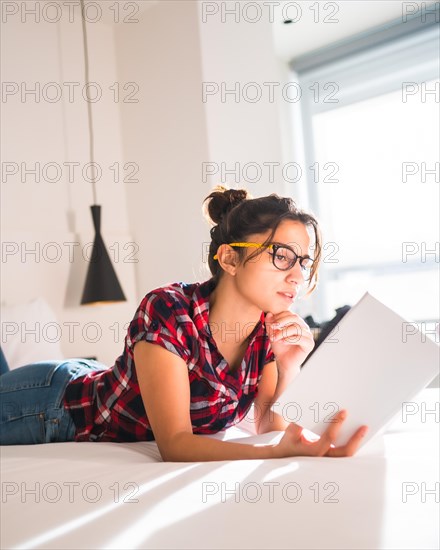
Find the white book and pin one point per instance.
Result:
(372, 364)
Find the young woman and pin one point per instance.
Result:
(197, 355)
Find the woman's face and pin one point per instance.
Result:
(261, 283)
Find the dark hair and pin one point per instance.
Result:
(236, 215)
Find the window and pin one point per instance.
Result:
(372, 137)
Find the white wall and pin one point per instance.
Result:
(172, 132)
(37, 213)
(40, 131)
(243, 127)
(165, 133)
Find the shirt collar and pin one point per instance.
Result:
(200, 304)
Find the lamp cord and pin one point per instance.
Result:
(89, 105)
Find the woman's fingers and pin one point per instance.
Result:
(330, 434)
(323, 446)
(351, 446)
(282, 324)
(293, 331)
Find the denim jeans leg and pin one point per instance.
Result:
(31, 402)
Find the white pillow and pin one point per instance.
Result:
(29, 333)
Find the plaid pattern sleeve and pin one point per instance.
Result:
(107, 405)
(157, 321)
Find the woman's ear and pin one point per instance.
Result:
(227, 258)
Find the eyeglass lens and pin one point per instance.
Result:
(285, 258)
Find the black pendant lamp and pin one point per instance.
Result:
(102, 285)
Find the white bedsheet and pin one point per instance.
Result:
(107, 495)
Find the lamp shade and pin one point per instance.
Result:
(102, 284)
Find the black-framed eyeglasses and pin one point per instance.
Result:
(283, 256)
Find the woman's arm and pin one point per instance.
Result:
(270, 387)
(165, 391)
(164, 385)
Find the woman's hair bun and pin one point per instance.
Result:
(221, 201)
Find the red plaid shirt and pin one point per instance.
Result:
(107, 405)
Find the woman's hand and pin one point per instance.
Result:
(291, 339)
(293, 442)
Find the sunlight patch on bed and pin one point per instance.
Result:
(282, 470)
(87, 518)
(183, 503)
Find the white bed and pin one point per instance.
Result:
(107, 495)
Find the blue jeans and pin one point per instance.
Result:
(31, 401)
